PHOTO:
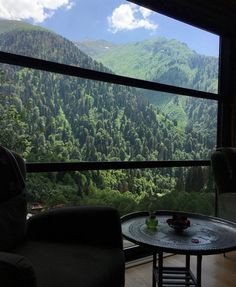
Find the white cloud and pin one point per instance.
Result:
(145, 12)
(37, 10)
(130, 17)
(70, 5)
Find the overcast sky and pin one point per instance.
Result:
(112, 20)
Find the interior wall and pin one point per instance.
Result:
(233, 89)
(227, 90)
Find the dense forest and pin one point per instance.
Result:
(48, 117)
(168, 62)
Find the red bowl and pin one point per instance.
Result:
(178, 224)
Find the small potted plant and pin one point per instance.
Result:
(152, 221)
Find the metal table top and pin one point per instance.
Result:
(206, 235)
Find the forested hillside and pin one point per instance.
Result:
(168, 62)
(50, 117)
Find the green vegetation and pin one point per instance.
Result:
(48, 118)
(168, 62)
(158, 59)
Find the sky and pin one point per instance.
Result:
(116, 21)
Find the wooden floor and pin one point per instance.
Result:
(217, 271)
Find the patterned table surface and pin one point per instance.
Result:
(206, 235)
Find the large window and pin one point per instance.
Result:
(110, 82)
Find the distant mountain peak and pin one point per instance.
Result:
(95, 47)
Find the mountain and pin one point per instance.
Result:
(34, 41)
(169, 62)
(82, 119)
(158, 59)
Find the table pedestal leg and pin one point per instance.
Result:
(160, 268)
(187, 266)
(157, 272)
(199, 270)
(154, 265)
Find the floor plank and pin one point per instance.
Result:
(217, 270)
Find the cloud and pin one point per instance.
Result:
(130, 17)
(36, 10)
(145, 12)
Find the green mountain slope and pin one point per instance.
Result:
(159, 59)
(169, 62)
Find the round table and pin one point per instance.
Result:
(206, 235)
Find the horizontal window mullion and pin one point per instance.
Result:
(82, 166)
(69, 70)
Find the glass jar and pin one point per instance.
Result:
(152, 221)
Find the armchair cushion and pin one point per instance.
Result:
(60, 264)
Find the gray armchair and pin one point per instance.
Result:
(76, 246)
(224, 170)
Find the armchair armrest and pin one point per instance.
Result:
(16, 271)
(226, 206)
(95, 225)
(224, 169)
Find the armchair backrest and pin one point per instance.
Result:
(224, 169)
(13, 207)
(12, 174)
(96, 225)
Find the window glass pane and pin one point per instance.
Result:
(114, 36)
(50, 117)
(187, 189)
